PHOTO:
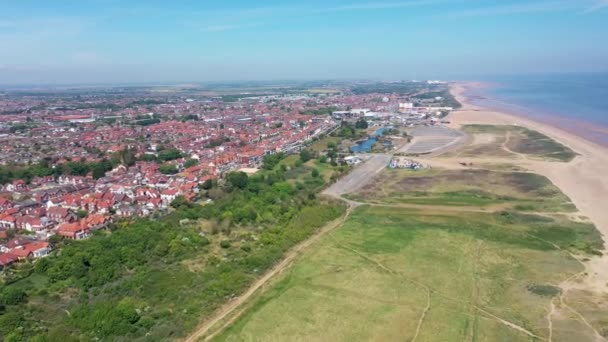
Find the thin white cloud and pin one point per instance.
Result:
(598, 5)
(538, 7)
(222, 19)
(382, 5)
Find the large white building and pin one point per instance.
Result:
(405, 107)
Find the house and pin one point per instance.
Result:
(169, 195)
(7, 221)
(31, 223)
(5, 203)
(16, 185)
(73, 231)
(13, 243)
(7, 260)
(126, 211)
(60, 214)
(96, 221)
(33, 250)
(352, 160)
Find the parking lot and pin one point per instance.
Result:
(432, 139)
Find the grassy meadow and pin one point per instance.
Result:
(439, 255)
(393, 274)
(511, 142)
(481, 188)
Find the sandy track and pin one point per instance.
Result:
(354, 180)
(222, 316)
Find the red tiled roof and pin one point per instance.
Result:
(7, 259)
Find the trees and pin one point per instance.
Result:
(179, 201)
(12, 296)
(82, 213)
(305, 156)
(347, 130)
(208, 184)
(169, 154)
(190, 163)
(126, 157)
(100, 169)
(361, 124)
(320, 111)
(272, 160)
(127, 285)
(238, 179)
(148, 157)
(168, 169)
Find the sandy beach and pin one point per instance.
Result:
(583, 179)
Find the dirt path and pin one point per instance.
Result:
(395, 273)
(354, 180)
(204, 330)
(550, 319)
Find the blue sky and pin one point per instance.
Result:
(111, 41)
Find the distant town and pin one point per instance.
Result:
(73, 161)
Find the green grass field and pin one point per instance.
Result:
(442, 255)
(478, 187)
(392, 274)
(509, 141)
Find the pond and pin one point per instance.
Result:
(368, 144)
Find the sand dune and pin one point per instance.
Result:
(584, 180)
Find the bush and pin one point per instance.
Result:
(305, 156)
(238, 179)
(12, 296)
(544, 290)
(361, 124)
(225, 244)
(168, 169)
(270, 161)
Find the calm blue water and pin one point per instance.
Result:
(577, 102)
(366, 146)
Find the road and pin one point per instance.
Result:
(359, 176)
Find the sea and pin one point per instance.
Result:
(576, 102)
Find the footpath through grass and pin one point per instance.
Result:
(503, 141)
(155, 279)
(376, 277)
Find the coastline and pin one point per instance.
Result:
(582, 180)
(476, 95)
